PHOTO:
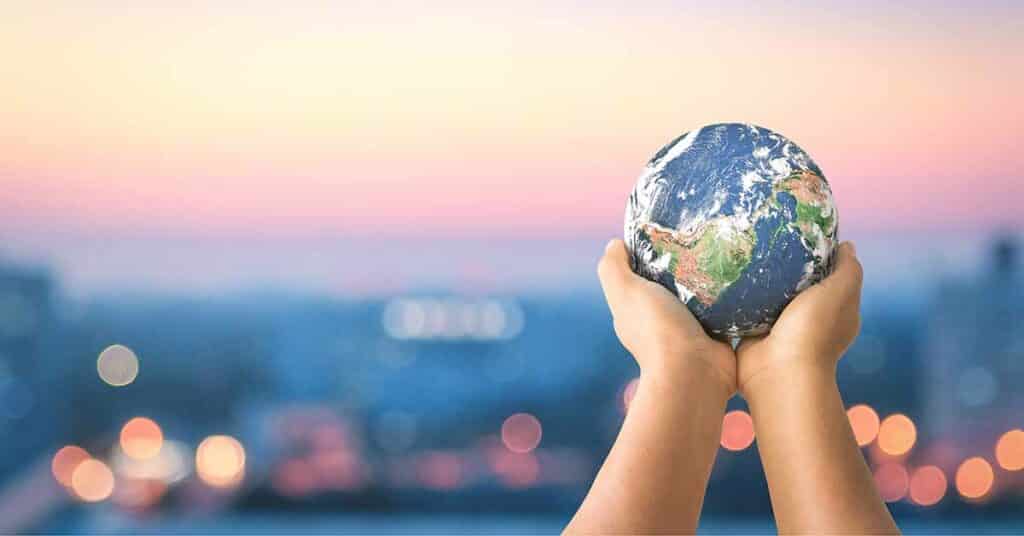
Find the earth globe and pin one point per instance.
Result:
(735, 219)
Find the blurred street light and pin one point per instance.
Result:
(927, 485)
(864, 422)
(974, 478)
(1010, 450)
(737, 430)
(141, 438)
(92, 481)
(117, 365)
(897, 435)
(171, 464)
(521, 432)
(65, 461)
(220, 461)
(451, 319)
(892, 481)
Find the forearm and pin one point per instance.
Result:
(655, 475)
(817, 477)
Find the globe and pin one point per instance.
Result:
(734, 219)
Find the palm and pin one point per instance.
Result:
(670, 315)
(655, 326)
(797, 336)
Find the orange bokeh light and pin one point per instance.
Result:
(521, 432)
(892, 481)
(92, 481)
(927, 485)
(737, 430)
(864, 422)
(220, 461)
(65, 461)
(974, 478)
(897, 434)
(1010, 450)
(141, 438)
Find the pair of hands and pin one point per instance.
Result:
(810, 336)
(788, 378)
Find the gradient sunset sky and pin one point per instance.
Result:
(134, 129)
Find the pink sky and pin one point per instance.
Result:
(325, 120)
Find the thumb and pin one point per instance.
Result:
(848, 275)
(615, 274)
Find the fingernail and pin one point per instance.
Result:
(608, 246)
(853, 248)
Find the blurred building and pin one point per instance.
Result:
(974, 355)
(29, 420)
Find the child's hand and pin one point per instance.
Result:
(656, 327)
(813, 331)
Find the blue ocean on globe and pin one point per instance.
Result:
(735, 219)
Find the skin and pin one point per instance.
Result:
(817, 477)
(654, 478)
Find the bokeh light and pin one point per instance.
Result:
(338, 469)
(927, 485)
(892, 481)
(92, 481)
(141, 438)
(172, 464)
(521, 432)
(1010, 450)
(138, 494)
(65, 461)
(117, 365)
(737, 430)
(864, 422)
(897, 435)
(974, 478)
(452, 318)
(517, 470)
(440, 470)
(220, 461)
(295, 478)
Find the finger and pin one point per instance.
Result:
(848, 275)
(615, 275)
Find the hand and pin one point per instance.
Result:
(656, 327)
(813, 331)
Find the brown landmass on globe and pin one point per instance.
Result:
(806, 187)
(685, 253)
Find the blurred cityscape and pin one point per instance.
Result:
(328, 266)
(129, 414)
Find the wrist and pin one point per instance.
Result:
(673, 371)
(795, 378)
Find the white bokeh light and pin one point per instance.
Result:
(452, 319)
(117, 365)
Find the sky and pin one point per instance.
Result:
(198, 146)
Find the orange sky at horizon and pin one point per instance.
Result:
(316, 120)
